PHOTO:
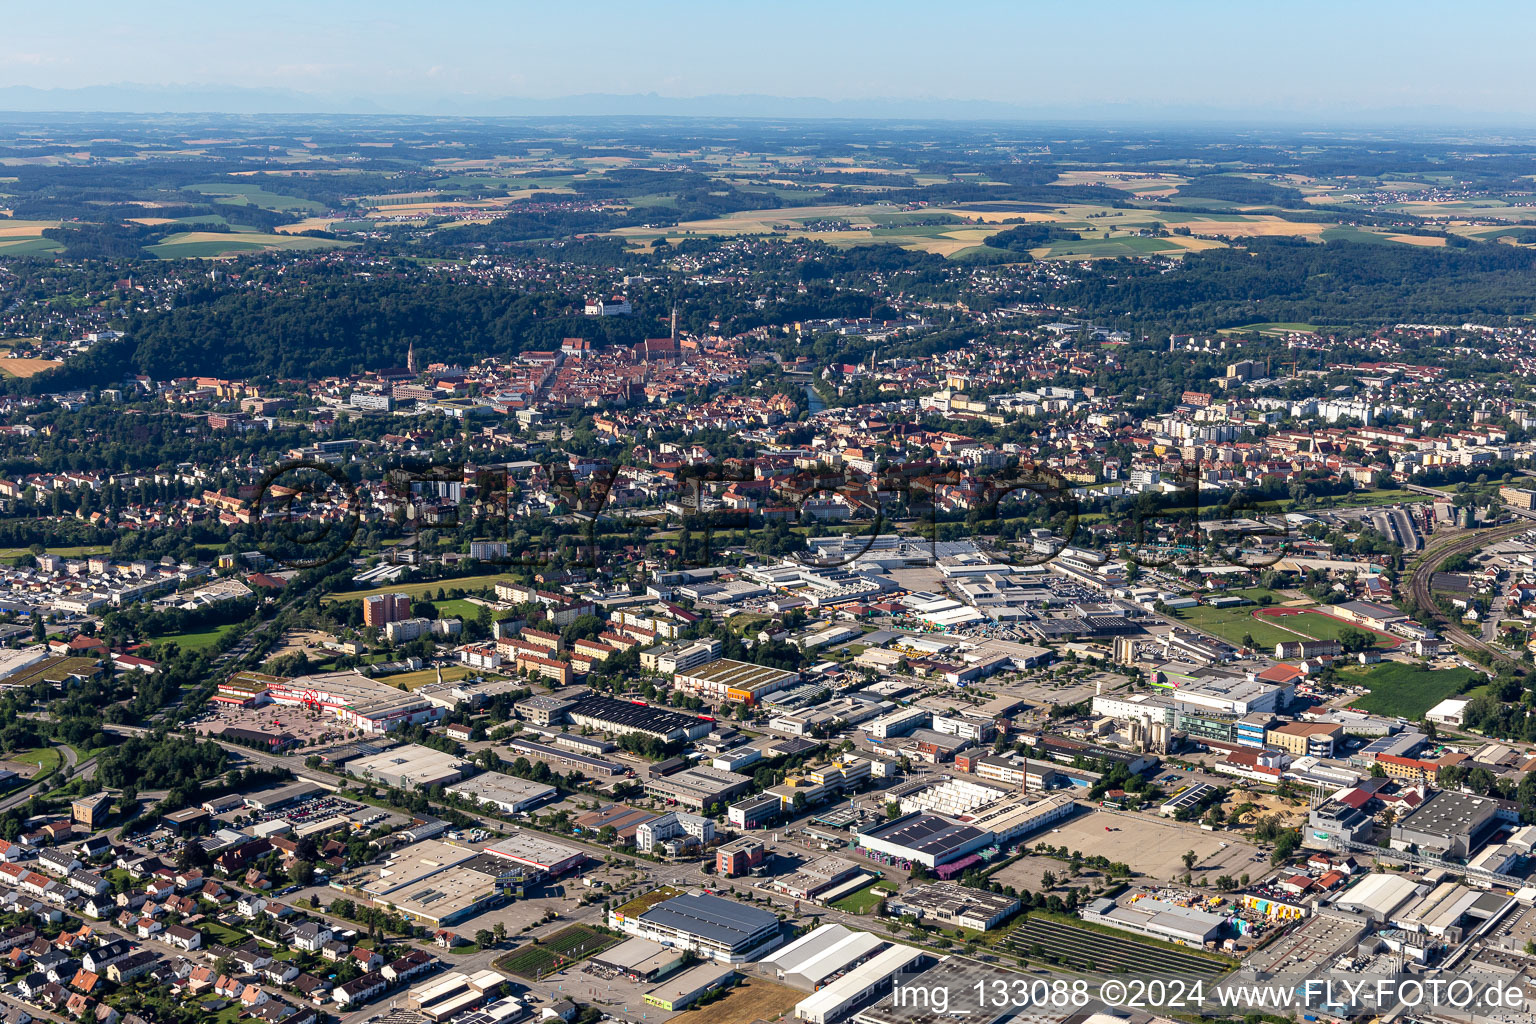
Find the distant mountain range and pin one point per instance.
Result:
(236, 100)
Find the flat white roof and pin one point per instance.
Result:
(829, 999)
(809, 946)
(838, 957)
(1381, 893)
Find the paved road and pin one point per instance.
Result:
(70, 760)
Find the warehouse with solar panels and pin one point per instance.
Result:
(710, 926)
(921, 838)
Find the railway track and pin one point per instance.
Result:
(1423, 597)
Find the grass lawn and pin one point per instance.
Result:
(1376, 496)
(464, 950)
(196, 640)
(47, 760)
(456, 608)
(1406, 690)
(229, 1015)
(1232, 624)
(863, 901)
(432, 586)
(744, 622)
(11, 554)
(222, 934)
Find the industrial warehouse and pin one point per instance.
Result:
(955, 975)
(534, 851)
(844, 970)
(411, 766)
(506, 793)
(699, 787)
(920, 838)
(738, 682)
(452, 895)
(623, 718)
(711, 927)
(952, 904)
(362, 703)
(1160, 919)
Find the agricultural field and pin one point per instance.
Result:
(233, 194)
(26, 367)
(25, 237)
(1083, 949)
(1109, 231)
(213, 244)
(569, 945)
(1407, 691)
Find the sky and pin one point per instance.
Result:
(1298, 61)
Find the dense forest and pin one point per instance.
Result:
(1292, 280)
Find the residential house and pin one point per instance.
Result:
(360, 989)
(310, 936)
(313, 988)
(183, 938)
(131, 966)
(103, 956)
(417, 961)
(367, 959)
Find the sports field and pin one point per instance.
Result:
(1232, 624)
(1317, 625)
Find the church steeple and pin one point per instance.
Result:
(410, 357)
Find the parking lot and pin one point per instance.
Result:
(300, 722)
(1153, 847)
(586, 984)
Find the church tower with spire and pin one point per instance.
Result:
(410, 357)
